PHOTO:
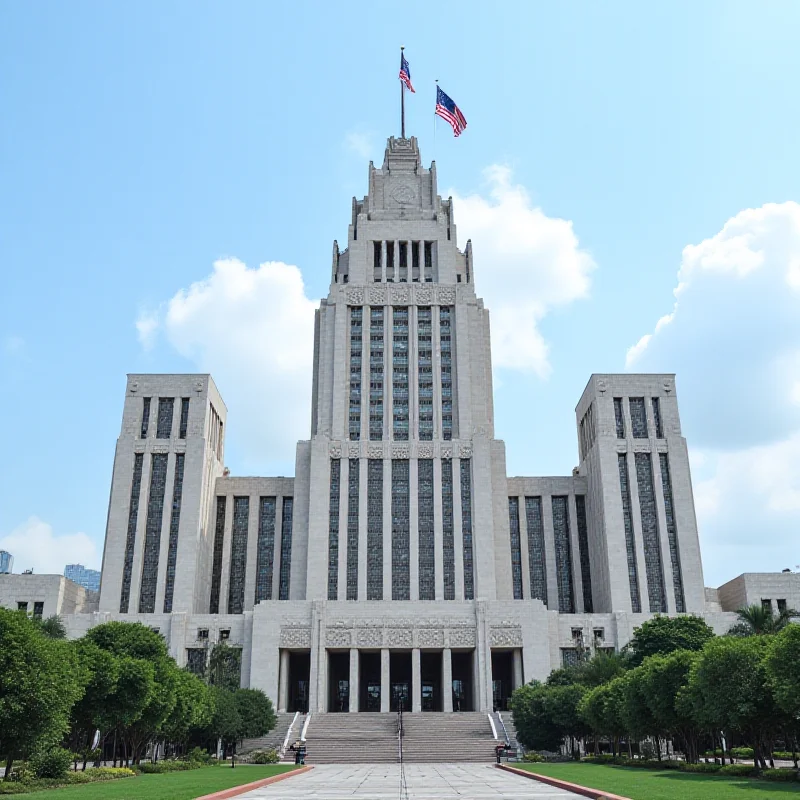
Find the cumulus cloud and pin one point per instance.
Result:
(34, 546)
(529, 264)
(253, 330)
(733, 338)
(147, 328)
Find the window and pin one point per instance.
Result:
(599, 635)
(333, 530)
(164, 421)
(570, 657)
(375, 529)
(155, 630)
(216, 563)
(583, 550)
(174, 524)
(401, 543)
(184, 423)
(427, 548)
(672, 534)
(577, 636)
(376, 261)
(638, 417)
(563, 547)
(466, 528)
(130, 542)
(650, 537)
(196, 660)
(265, 549)
(400, 373)
(536, 557)
(425, 373)
(225, 634)
(516, 547)
(145, 417)
(448, 531)
(619, 418)
(22, 607)
(152, 533)
(657, 418)
(766, 604)
(630, 543)
(446, 354)
(241, 518)
(38, 610)
(428, 262)
(286, 548)
(781, 606)
(202, 633)
(353, 480)
(354, 419)
(376, 374)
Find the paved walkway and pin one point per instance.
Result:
(424, 781)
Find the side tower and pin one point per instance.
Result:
(169, 454)
(645, 553)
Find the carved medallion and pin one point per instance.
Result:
(403, 194)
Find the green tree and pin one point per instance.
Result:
(759, 620)
(225, 667)
(602, 668)
(225, 722)
(533, 718)
(40, 680)
(783, 669)
(561, 703)
(194, 708)
(255, 712)
(637, 717)
(53, 627)
(664, 635)
(601, 708)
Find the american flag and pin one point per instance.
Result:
(405, 73)
(447, 109)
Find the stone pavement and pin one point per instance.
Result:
(424, 782)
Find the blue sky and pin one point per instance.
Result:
(140, 144)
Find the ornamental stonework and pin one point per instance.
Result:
(447, 296)
(354, 451)
(295, 637)
(461, 638)
(447, 452)
(466, 451)
(355, 297)
(377, 296)
(425, 451)
(375, 452)
(424, 296)
(400, 296)
(370, 637)
(400, 451)
(506, 637)
(338, 638)
(336, 450)
(400, 637)
(430, 638)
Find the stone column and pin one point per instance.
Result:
(416, 680)
(447, 680)
(518, 679)
(354, 679)
(283, 685)
(385, 681)
(383, 262)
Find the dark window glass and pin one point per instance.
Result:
(130, 542)
(781, 606)
(400, 373)
(22, 606)
(570, 657)
(427, 549)
(166, 406)
(619, 418)
(446, 356)
(38, 610)
(145, 417)
(516, 547)
(466, 528)
(353, 479)
(583, 546)
(638, 417)
(672, 534)
(174, 524)
(650, 539)
(356, 327)
(286, 548)
(630, 540)
(196, 661)
(425, 373)
(563, 548)
(448, 531)
(401, 543)
(333, 530)
(375, 529)
(184, 422)
(152, 535)
(657, 418)
(241, 521)
(376, 374)
(265, 548)
(216, 563)
(536, 551)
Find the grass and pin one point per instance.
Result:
(641, 784)
(168, 786)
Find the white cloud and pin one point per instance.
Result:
(529, 264)
(733, 338)
(34, 546)
(362, 143)
(253, 330)
(147, 328)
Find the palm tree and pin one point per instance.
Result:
(758, 620)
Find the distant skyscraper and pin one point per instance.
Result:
(6, 562)
(88, 578)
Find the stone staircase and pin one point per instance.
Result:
(510, 730)
(371, 738)
(275, 738)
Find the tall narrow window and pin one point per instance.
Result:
(166, 406)
(286, 548)
(425, 375)
(415, 261)
(353, 480)
(174, 524)
(184, 423)
(448, 531)
(563, 547)
(657, 418)
(428, 262)
(376, 261)
(375, 529)
(333, 530)
(672, 534)
(619, 418)
(130, 541)
(630, 541)
(376, 374)
(216, 561)
(400, 373)
(516, 547)
(265, 549)
(427, 549)
(145, 417)
(536, 554)
(403, 262)
(389, 262)
(356, 327)
(401, 542)
(466, 528)
(241, 519)
(152, 535)
(638, 417)
(445, 346)
(652, 546)
(583, 547)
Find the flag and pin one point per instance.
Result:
(447, 109)
(405, 73)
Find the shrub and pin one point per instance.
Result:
(51, 763)
(166, 766)
(198, 756)
(739, 771)
(783, 755)
(670, 764)
(701, 768)
(533, 758)
(784, 775)
(264, 757)
(100, 774)
(742, 752)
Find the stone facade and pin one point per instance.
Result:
(401, 564)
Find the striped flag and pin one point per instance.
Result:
(405, 73)
(448, 110)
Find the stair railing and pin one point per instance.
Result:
(288, 734)
(503, 725)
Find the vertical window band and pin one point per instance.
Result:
(216, 562)
(516, 547)
(375, 529)
(130, 542)
(286, 548)
(265, 549)
(401, 539)
(333, 530)
(630, 541)
(583, 546)
(353, 480)
(466, 528)
(536, 551)
(448, 531)
(174, 524)
(656, 592)
(672, 534)
(152, 536)
(563, 548)
(427, 548)
(238, 571)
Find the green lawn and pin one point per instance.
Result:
(645, 784)
(169, 786)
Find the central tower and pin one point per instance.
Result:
(399, 475)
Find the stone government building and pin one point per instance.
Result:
(401, 563)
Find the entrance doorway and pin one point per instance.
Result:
(369, 690)
(338, 681)
(502, 678)
(462, 680)
(431, 681)
(400, 681)
(299, 681)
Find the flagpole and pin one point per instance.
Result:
(434, 123)
(402, 100)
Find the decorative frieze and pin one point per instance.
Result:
(338, 638)
(295, 637)
(425, 451)
(430, 638)
(464, 637)
(370, 637)
(355, 297)
(510, 636)
(377, 295)
(447, 296)
(336, 449)
(399, 637)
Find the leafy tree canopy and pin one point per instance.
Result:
(664, 635)
(783, 669)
